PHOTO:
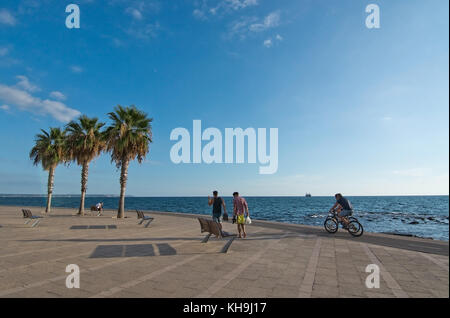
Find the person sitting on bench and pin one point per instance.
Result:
(99, 208)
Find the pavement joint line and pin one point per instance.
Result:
(68, 256)
(310, 273)
(57, 233)
(41, 283)
(406, 259)
(390, 281)
(370, 238)
(61, 277)
(34, 250)
(46, 249)
(46, 281)
(225, 280)
(117, 289)
(435, 261)
(46, 261)
(71, 245)
(431, 258)
(40, 250)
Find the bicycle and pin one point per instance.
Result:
(332, 222)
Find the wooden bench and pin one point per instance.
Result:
(143, 217)
(28, 215)
(212, 227)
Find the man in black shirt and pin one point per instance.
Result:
(217, 203)
(343, 208)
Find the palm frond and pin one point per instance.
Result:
(129, 134)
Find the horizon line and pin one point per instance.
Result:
(201, 196)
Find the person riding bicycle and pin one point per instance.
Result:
(343, 207)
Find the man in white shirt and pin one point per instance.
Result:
(99, 207)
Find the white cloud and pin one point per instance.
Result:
(329, 183)
(268, 43)
(7, 18)
(24, 101)
(57, 95)
(240, 27)
(199, 14)
(139, 11)
(4, 51)
(213, 11)
(248, 25)
(135, 13)
(59, 110)
(386, 118)
(28, 7)
(7, 61)
(76, 69)
(270, 21)
(117, 42)
(26, 85)
(223, 6)
(144, 32)
(239, 4)
(5, 107)
(414, 172)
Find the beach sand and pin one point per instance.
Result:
(119, 258)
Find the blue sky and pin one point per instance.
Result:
(359, 111)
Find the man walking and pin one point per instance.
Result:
(217, 203)
(240, 208)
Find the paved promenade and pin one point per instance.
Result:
(119, 258)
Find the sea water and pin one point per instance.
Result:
(423, 216)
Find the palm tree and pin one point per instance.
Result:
(85, 141)
(49, 151)
(128, 137)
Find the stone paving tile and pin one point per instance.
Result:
(321, 290)
(421, 295)
(327, 280)
(240, 283)
(256, 292)
(350, 279)
(373, 294)
(284, 291)
(33, 261)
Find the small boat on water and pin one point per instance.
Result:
(308, 195)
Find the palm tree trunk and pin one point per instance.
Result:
(51, 177)
(84, 179)
(123, 185)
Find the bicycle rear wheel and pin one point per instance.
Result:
(355, 228)
(331, 226)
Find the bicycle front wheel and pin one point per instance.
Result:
(331, 226)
